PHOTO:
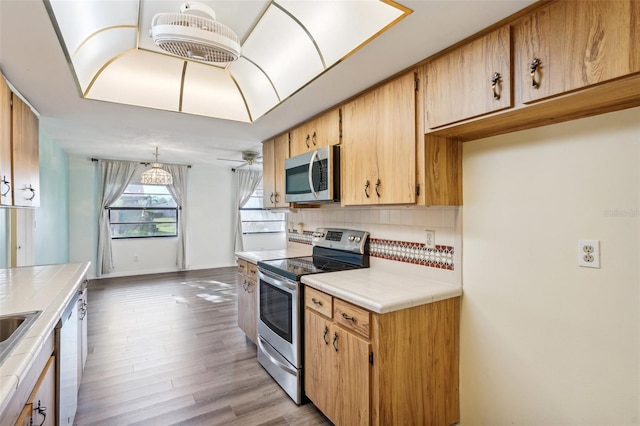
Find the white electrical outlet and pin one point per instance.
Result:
(589, 253)
(430, 240)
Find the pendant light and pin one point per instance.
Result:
(156, 176)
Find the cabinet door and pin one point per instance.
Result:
(326, 129)
(320, 368)
(395, 129)
(359, 162)
(321, 131)
(459, 83)
(42, 399)
(24, 141)
(300, 139)
(6, 184)
(577, 44)
(353, 388)
(247, 307)
(379, 127)
(268, 173)
(281, 152)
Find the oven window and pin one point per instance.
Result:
(276, 310)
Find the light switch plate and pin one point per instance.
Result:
(589, 253)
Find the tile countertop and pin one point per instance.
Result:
(292, 251)
(47, 288)
(386, 286)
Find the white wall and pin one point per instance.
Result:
(209, 239)
(83, 207)
(254, 242)
(544, 342)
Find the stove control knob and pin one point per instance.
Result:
(357, 239)
(351, 238)
(318, 234)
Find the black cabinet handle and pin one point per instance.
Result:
(335, 340)
(324, 335)
(366, 189)
(378, 188)
(495, 80)
(533, 67)
(316, 302)
(348, 318)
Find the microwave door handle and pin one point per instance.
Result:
(313, 189)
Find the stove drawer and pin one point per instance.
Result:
(351, 317)
(318, 301)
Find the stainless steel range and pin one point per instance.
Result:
(281, 304)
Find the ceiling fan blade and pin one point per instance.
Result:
(230, 159)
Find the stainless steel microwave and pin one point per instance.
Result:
(313, 176)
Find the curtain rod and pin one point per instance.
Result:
(141, 162)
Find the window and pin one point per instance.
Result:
(144, 211)
(257, 220)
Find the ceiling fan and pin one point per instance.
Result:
(249, 158)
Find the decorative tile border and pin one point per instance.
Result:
(440, 257)
(417, 253)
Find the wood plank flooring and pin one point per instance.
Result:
(166, 349)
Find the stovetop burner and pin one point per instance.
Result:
(333, 250)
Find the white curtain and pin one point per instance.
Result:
(179, 192)
(113, 178)
(246, 182)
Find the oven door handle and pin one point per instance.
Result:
(272, 357)
(277, 281)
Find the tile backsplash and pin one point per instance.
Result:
(397, 234)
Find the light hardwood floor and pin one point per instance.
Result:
(166, 349)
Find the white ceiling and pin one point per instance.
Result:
(33, 61)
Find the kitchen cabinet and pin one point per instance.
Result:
(40, 408)
(6, 168)
(352, 360)
(248, 299)
(378, 163)
(318, 132)
(274, 152)
(472, 80)
(24, 144)
(569, 45)
(571, 60)
(337, 369)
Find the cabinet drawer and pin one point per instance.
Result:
(242, 266)
(351, 317)
(252, 271)
(318, 301)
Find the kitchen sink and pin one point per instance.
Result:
(12, 328)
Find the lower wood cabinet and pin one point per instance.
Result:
(40, 408)
(248, 299)
(366, 368)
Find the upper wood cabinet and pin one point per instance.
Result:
(470, 81)
(378, 163)
(575, 44)
(24, 144)
(321, 131)
(6, 169)
(19, 142)
(274, 152)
